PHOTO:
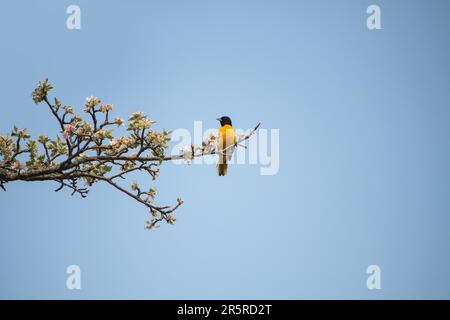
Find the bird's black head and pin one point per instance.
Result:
(224, 120)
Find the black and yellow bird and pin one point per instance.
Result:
(226, 143)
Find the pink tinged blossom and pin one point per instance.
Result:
(91, 102)
(118, 121)
(69, 129)
(113, 143)
(17, 166)
(106, 107)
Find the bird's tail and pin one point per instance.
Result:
(222, 167)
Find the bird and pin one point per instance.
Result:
(225, 144)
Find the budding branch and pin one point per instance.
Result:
(88, 152)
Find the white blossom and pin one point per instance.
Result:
(187, 152)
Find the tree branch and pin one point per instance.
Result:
(89, 153)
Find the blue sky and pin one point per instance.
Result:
(363, 119)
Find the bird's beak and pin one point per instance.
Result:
(218, 119)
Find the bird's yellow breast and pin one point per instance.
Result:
(227, 135)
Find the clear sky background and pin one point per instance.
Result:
(364, 153)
